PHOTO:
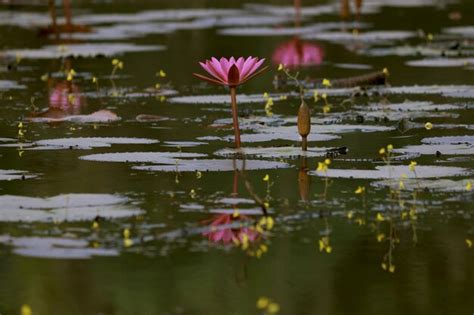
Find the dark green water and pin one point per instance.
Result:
(402, 252)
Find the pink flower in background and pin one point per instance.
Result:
(219, 232)
(298, 53)
(231, 72)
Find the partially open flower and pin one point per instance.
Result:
(230, 72)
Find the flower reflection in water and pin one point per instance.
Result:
(295, 53)
(223, 230)
(66, 97)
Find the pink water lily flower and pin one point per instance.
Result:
(231, 72)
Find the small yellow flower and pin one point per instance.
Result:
(280, 67)
(380, 217)
(269, 102)
(322, 167)
(384, 266)
(316, 95)
(127, 242)
(389, 148)
(265, 95)
(120, 65)
(428, 126)
(382, 151)
(270, 223)
(326, 109)
(266, 178)
(350, 215)
(380, 237)
(198, 175)
(192, 194)
(26, 310)
(157, 86)
(360, 221)
(401, 185)
(391, 268)
(385, 71)
(262, 303)
(95, 225)
(115, 62)
(469, 243)
(412, 166)
(429, 37)
(20, 125)
(326, 83)
(236, 213)
(359, 190)
(327, 161)
(468, 186)
(324, 96)
(94, 79)
(162, 73)
(273, 308)
(126, 233)
(283, 97)
(245, 241)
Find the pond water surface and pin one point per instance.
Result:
(121, 193)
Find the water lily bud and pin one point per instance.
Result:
(304, 120)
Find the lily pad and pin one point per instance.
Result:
(14, 175)
(80, 50)
(101, 116)
(155, 15)
(465, 31)
(442, 62)
(369, 37)
(141, 157)
(289, 135)
(183, 144)
(438, 185)
(10, 85)
(219, 99)
(438, 149)
(54, 247)
(450, 140)
(274, 152)
(87, 143)
(285, 31)
(395, 171)
(214, 165)
(70, 207)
